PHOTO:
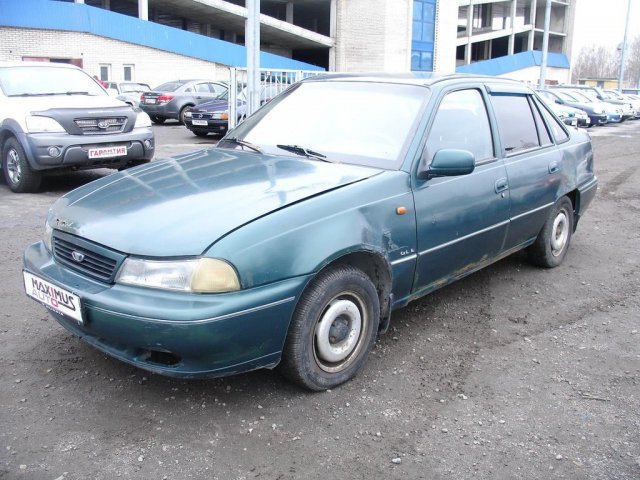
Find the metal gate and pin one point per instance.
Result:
(272, 82)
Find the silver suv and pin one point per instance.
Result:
(55, 117)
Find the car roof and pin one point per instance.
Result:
(415, 78)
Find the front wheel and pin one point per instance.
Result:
(18, 175)
(182, 114)
(333, 329)
(552, 243)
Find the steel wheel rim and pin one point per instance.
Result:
(13, 166)
(559, 233)
(339, 332)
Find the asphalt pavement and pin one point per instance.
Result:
(514, 372)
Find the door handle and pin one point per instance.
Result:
(554, 167)
(501, 185)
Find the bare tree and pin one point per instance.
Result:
(632, 70)
(595, 62)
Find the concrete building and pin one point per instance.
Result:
(141, 39)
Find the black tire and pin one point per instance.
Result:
(333, 305)
(200, 134)
(157, 120)
(17, 174)
(182, 112)
(553, 241)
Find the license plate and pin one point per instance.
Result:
(149, 100)
(107, 152)
(51, 296)
(202, 123)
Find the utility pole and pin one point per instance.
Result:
(623, 56)
(252, 44)
(545, 44)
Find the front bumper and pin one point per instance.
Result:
(598, 119)
(176, 334)
(213, 126)
(74, 149)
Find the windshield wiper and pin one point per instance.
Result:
(304, 152)
(75, 93)
(242, 143)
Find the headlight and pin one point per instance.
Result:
(142, 120)
(48, 236)
(203, 275)
(187, 114)
(38, 124)
(221, 116)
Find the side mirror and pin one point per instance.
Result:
(448, 162)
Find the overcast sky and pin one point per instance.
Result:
(602, 22)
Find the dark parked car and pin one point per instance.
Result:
(173, 99)
(213, 116)
(597, 111)
(293, 242)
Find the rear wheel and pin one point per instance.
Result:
(18, 175)
(553, 241)
(333, 329)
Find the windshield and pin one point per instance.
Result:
(566, 97)
(584, 96)
(134, 87)
(169, 86)
(352, 122)
(45, 80)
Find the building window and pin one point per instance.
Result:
(424, 18)
(105, 72)
(127, 73)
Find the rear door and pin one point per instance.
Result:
(532, 160)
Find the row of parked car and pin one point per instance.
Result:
(584, 106)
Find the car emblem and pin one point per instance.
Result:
(77, 256)
(103, 124)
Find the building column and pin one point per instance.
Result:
(333, 26)
(512, 36)
(467, 49)
(143, 9)
(532, 33)
(289, 13)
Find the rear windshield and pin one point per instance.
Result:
(169, 86)
(43, 80)
(134, 87)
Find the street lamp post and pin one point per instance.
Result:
(252, 44)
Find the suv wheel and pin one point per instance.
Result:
(18, 175)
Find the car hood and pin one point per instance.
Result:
(43, 103)
(211, 106)
(180, 206)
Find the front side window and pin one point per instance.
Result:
(461, 122)
(365, 123)
(515, 122)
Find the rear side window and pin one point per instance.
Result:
(559, 133)
(462, 123)
(515, 122)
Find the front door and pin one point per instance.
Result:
(462, 220)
